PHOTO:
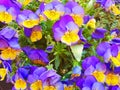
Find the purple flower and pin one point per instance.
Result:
(9, 44)
(8, 11)
(77, 12)
(41, 78)
(54, 10)
(27, 19)
(66, 31)
(34, 33)
(99, 33)
(37, 56)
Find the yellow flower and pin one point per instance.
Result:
(49, 88)
(91, 23)
(20, 84)
(37, 85)
(3, 73)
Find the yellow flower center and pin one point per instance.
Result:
(3, 73)
(5, 17)
(36, 85)
(100, 76)
(78, 19)
(9, 53)
(20, 84)
(70, 37)
(36, 35)
(112, 79)
(49, 88)
(52, 14)
(30, 23)
(116, 60)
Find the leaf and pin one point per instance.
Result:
(57, 62)
(77, 51)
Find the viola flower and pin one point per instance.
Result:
(66, 31)
(54, 10)
(76, 11)
(34, 33)
(109, 5)
(37, 56)
(41, 78)
(19, 79)
(27, 19)
(40, 13)
(110, 53)
(8, 11)
(99, 33)
(96, 69)
(9, 45)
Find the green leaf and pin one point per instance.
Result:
(77, 51)
(57, 62)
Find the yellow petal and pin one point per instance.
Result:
(115, 61)
(112, 79)
(20, 84)
(36, 85)
(52, 14)
(100, 76)
(70, 37)
(30, 23)
(68, 88)
(115, 10)
(36, 35)
(91, 23)
(49, 88)
(3, 73)
(9, 53)
(5, 17)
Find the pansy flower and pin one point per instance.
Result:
(8, 11)
(96, 69)
(44, 79)
(66, 31)
(28, 19)
(54, 10)
(110, 53)
(19, 79)
(34, 33)
(9, 45)
(109, 5)
(37, 56)
(76, 11)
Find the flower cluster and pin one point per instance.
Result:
(59, 45)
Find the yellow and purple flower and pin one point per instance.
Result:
(76, 11)
(9, 45)
(37, 56)
(34, 33)
(66, 31)
(54, 10)
(8, 11)
(43, 79)
(27, 19)
(109, 5)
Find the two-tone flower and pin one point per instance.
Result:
(9, 45)
(27, 18)
(37, 56)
